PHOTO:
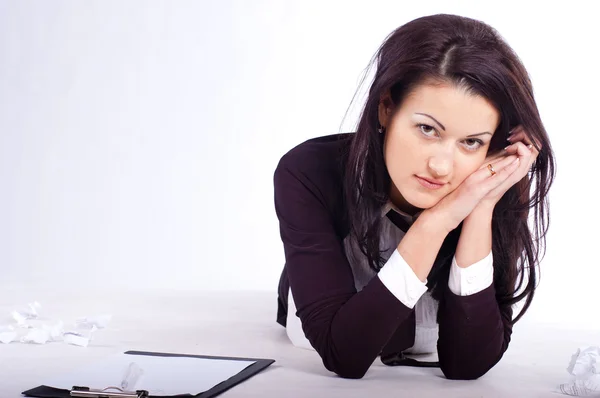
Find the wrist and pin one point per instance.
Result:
(482, 212)
(421, 244)
(475, 240)
(436, 222)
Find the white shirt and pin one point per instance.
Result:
(399, 278)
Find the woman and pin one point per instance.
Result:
(411, 235)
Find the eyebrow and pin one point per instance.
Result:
(444, 128)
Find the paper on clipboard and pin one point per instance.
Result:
(161, 375)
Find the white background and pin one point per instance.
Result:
(138, 139)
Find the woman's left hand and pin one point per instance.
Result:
(521, 146)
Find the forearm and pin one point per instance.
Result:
(422, 242)
(350, 335)
(474, 333)
(475, 241)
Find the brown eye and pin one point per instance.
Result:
(473, 144)
(426, 129)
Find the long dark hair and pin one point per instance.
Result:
(469, 54)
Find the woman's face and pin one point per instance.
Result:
(436, 139)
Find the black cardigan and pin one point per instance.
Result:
(350, 329)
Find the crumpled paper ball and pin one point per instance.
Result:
(585, 371)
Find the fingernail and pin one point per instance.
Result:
(530, 146)
(505, 148)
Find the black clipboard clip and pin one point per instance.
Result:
(86, 392)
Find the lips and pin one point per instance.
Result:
(432, 181)
(429, 183)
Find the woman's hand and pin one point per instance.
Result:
(456, 206)
(481, 191)
(521, 147)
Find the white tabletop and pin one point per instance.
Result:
(243, 324)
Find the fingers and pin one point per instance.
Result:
(496, 173)
(509, 169)
(520, 149)
(498, 163)
(515, 136)
(518, 135)
(527, 154)
(487, 178)
(493, 158)
(518, 138)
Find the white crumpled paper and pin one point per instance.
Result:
(585, 373)
(28, 329)
(36, 336)
(98, 321)
(44, 334)
(22, 316)
(8, 334)
(78, 338)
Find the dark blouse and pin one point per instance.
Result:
(350, 329)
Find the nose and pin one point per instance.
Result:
(440, 165)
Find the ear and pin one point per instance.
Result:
(386, 109)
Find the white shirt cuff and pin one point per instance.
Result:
(401, 280)
(472, 279)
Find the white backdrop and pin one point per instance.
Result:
(138, 139)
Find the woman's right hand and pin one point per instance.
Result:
(457, 205)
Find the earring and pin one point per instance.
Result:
(381, 129)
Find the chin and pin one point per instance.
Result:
(420, 201)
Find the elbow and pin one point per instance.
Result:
(462, 373)
(468, 365)
(465, 369)
(347, 370)
(341, 357)
(350, 372)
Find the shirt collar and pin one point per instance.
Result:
(390, 206)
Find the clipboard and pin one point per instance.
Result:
(101, 391)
